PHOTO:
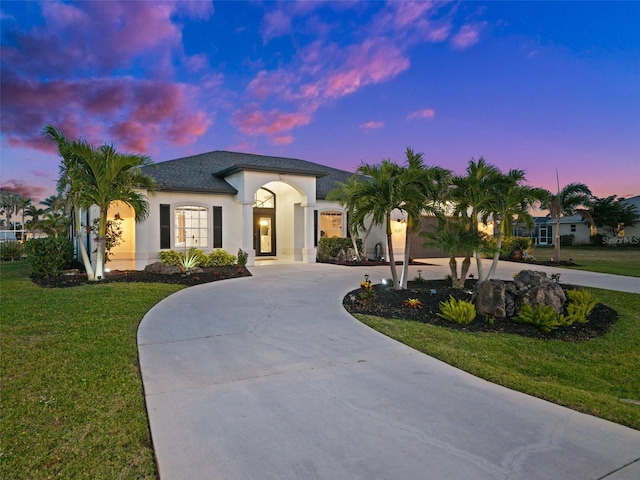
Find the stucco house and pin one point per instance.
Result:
(271, 207)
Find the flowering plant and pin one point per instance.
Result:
(367, 293)
(413, 303)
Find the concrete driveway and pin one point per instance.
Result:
(267, 377)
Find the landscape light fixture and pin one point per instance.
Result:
(366, 278)
(419, 273)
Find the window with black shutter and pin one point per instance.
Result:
(217, 227)
(165, 226)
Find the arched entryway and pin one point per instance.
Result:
(264, 223)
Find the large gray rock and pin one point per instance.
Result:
(545, 293)
(491, 299)
(162, 268)
(497, 299)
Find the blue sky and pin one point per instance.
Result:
(533, 85)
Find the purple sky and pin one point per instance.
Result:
(537, 86)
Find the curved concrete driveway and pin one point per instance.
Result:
(267, 377)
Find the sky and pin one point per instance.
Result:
(542, 86)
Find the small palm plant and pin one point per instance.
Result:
(412, 303)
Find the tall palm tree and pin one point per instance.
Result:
(564, 203)
(99, 177)
(422, 189)
(455, 237)
(472, 194)
(378, 197)
(346, 194)
(509, 199)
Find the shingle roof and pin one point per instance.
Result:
(205, 172)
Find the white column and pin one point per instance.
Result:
(247, 232)
(308, 249)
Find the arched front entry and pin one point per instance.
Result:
(264, 223)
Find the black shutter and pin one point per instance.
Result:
(165, 226)
(315, 228)
(217, 227)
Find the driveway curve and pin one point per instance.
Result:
(267, 377)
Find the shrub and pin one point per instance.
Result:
(567, 240)
(329, 248)
(10, 251)
(597, 240)
(510, 246)
(171, 257)
(544, 317)
(49, 256)
(462, 312)
(200, 258)
(220, 258)
(242, 258)
(581, 302)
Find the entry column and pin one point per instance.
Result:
(247, 232)
(309, 248)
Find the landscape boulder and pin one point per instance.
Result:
(491, 298)
(162, 268)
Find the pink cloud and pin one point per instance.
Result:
(27, 190)
(284, 140)
(467, 36)
(275, 24)
(420, 114)
(371, 125)
(272, 123)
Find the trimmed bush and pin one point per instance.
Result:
(510, 246)
(544, 317)
(49, 256)
(220, 258)
(329, 248)
(242, 258)
(10, 251)
(171, 257)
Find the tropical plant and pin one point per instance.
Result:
(473, 194)
(99, 177)
(581, 303)
(565, 203)
(508, 200)
(455, 237)
(9, 205)
(220, 258)
(543, 317)
(461, 312)
(10, 251)
(367, 293)
(242, 258)
(413, 303)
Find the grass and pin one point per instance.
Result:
(590, 377)
(618, 261)
(72, 400)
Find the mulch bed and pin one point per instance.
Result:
(388, 304)
(207, 275)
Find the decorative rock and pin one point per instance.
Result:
(341, 257)
(491, 299)
(162, 268)
(545, 293)
(528, 278)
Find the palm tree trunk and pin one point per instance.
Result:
(453, 267)
(464, 269)
(405, 262)
(392, 259)
(101, 245)
(556, 247)
(83, 251)
(496, 257)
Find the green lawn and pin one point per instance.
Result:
(72, 401)
(592, 377)
(619, 261)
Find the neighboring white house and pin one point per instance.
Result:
(270, 207)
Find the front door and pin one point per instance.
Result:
(264, 232)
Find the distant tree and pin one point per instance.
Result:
(9, 205)
(565, 203)
(612, 214)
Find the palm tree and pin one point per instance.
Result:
(455, 237)
(423, 189)
(9, 204)
(508, 200)
(378, 197)
(472, 194)
(346, 194)
(99, 177)
(564, 203)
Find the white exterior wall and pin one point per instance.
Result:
(147, 233)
